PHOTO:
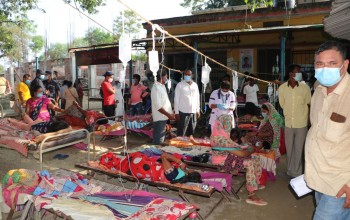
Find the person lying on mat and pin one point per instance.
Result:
(76, 116)
(38, 106)
(180, 174)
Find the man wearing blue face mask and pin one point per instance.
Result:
(327, 151)
(187, 105)
(294, 98)
(37, 81)
(222, 101)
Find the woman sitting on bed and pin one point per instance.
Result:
(252, 113)
(269, 129)
(239, 157)
(38, 106)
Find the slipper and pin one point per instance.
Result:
(258, 202)
(57, 156)
(64, 156)
(260, 187)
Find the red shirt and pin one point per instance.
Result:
(136, 93)
(108, 97)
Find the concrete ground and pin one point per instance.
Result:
(282, 204)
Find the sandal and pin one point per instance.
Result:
(254, 200)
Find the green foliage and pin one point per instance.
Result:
(37, 44)
(96, 36)
(197, 5)
(57, 51)
(80, 42)
(87, 5)
(139, 56)
(2, 68)
(14, 9)
(132, 24)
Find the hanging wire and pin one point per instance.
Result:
(188, 46)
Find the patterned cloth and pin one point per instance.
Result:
(38, 108)
(276, 122)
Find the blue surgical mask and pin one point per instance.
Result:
(298, 77)
(328, 76)
(187, 78)
(28, 81)
(264, 114)
(166, 81)
(133, 81)
(39, 95)
(42, 77)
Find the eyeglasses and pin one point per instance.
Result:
(332, 64)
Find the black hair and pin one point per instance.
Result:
(35, 88)
(64, 82)
(246, 73)
(245, 58)
(226, 77)
(57, 126)
(38, 72)
(265, 107)
(161, 73)
(251, 109)
(69, 84)
(224, 85)
(332, 44)
(193, 177)
(235, 134)
(48, 72)
(292, 67)
(25, 76)
(137, 76)
(266, 145)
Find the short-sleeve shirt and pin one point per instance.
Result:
(160, 100)
(24, 89)
(294, 102)
(136, 93)
(250, 92)
(44, 113)
(217, 97)
(53, 87)
(108, 97)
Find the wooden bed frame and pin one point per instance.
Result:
(181, 191)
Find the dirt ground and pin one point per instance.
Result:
(282, 204)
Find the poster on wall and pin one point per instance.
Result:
(246, 63)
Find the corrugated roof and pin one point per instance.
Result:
(337, 23)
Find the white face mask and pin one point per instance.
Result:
(224, 93)
(110, 80)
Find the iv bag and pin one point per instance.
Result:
(235, 81)
(270, 90)
(205, 74)
(153, 61)
(122, 75)
(124, 49)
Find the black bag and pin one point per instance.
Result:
(101, 92)
(204, 158)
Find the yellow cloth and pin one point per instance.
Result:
(22, 87)
(294, 102)
(327, 151)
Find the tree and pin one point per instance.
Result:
(57, 51)
(79, 42)
(37, 44)
(13, 11)
(197, 5)
(95, 36)
(132, 24)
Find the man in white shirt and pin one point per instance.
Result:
(250, 92)
(187, 105)
(222, 101)
(62, 90)
(161, 108)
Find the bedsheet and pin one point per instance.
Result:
(185, 142)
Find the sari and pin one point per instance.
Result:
(277, 122)
(220, 135)
(38, 109)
